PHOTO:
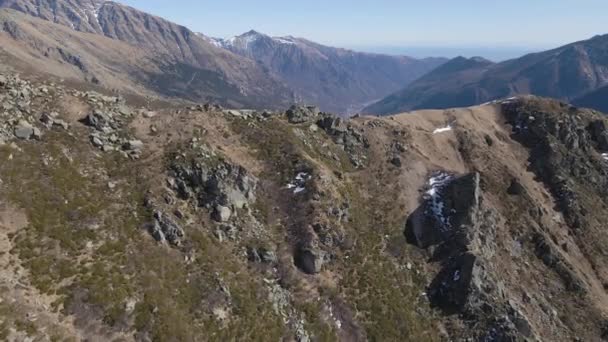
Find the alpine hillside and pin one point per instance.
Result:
(121, 220)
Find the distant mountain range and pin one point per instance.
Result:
(122, 48)
(572, 73)
(338, 80)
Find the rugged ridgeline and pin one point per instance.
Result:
(569, 73)
(119, 47)
(198, 223)
(338, 80)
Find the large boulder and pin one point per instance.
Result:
(309, 260)
(24, 130)
(300, 114)
(222, 214)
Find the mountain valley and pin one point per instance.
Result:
(158, 184)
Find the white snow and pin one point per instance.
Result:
(605, 156)
(443, 129)
(282, 40)
(299, 182)
(436, 183)
(244, 40)
(216, 42)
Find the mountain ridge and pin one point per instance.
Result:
(567, 73)
(339, 80)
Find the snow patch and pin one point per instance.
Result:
(216, 42)
(298, 184)
(243, 41)
(434, 197)
(501, 101)
(282, 40)
(443, 129)
(605, 156)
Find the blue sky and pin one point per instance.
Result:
(383, 24)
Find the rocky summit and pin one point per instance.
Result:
(125, 220)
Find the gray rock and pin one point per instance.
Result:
(223, 185)
(24, 130)
(301, 114)
(309, 260)
(149, 114)
(99, 121)
(222, 214)
(51, 120)
(599, 133)
(396, 161)
(96, 141)
(36, 134)
(134, 145)
(515, 188)
(261, 255)
(352, 140)
(165, 229)
(61, 123)
(236, 113)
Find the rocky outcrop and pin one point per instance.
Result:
(108, 122)
(460, 232)
(17, 118)
(449, 205)
(309, 260)
(347, 136)
(213, 183)
(165, 228)
(300, 114)
(562, 144)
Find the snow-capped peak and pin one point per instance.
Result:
(245, 40)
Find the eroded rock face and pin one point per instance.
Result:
(347, 136)
(562, 145)
(219, 186)
(453, 219)
(449, 203)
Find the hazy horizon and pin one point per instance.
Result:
(495, 54)
(390, 25)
